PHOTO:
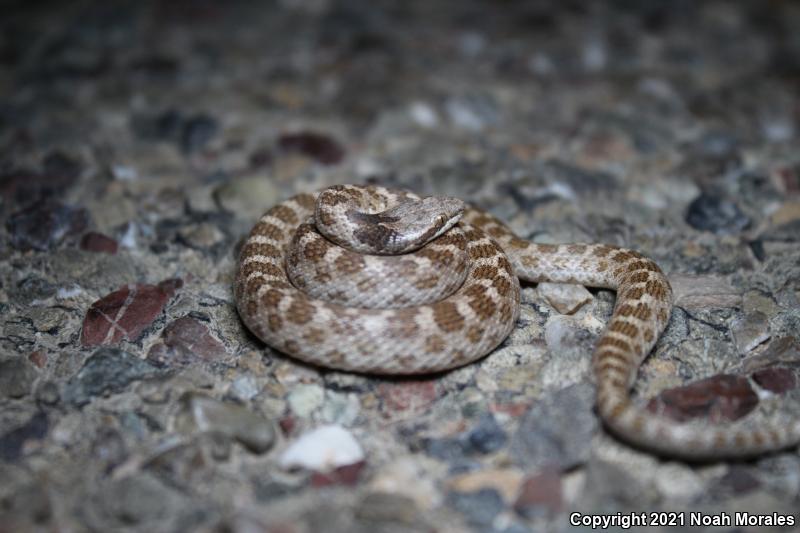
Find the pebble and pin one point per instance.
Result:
(712, 213)
(347, 475)
(244, 388)
(566, 298)
(196, 132)
(247, 197)
(98, 243)
(320, 147)
(24, 187)
(106, 371)
(387, 507)
(720, 398)
(12, 443)
(540, 495)
(250, 429)
(557, 431)
(750, 330)
(699, 292)
(487, 436)
(133, 307)
(479, 507)
(406, 398)
(506, 481)
(304, 399)
(184, 341)
(45, 225)
(323, 449)
(776, 379)
(340, 408)
(16, 377)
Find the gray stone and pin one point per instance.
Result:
(750, 330)
(557, 431)
(106, 371)
(16, 377)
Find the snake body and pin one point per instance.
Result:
(310, 284)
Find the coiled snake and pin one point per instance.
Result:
(373, 280)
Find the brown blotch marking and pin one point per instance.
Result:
(774, 435)
(485, 272)
(632, 293)
(662, 316)
(758, 438)
(332, 199)
(406, 361)
(637, 424)
(642, 312)
(474, 334)
(606, 356)
(547, 248)
(501, 285)
(576, 248)
(451, 238)
(602, 251)
(637, 277)
(251, 307)
(648, 335)
(460, 356)
(400, 300)
(739, 439)
(447, 317)
(254, 248)
(505, 264)
(427, 282)
(306, 200)
(265, 268)
(719, 439)
(482, 251)
(402, 323)
(314, 336)
(434, 343)
(284, 214)
(271, 231)
(644, 264)
(610, 368)
(252, 286)
(275, 322)
(325, 218)
(316, 249)
(272, 298)
(616, 411)
(349, 263)
(602, 266)
(483, 306)
(656, 289)
(496, 231)
(624, 328)
(530, 261)
(291, 347)
(335, 357)
(506, 312)
(615, 342)
(437, 257)
(300, 311)
(518, 243)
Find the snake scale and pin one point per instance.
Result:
(375, 280)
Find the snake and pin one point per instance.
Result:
(374, 280)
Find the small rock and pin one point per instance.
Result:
(16, 377)
(717, 215)
(386, 507)
(487, 436)
(106, 371)
(209, 415)
(347, 475)
(44, 225)
(323, 449)
(340, 408)
(247, 196)
(23, 187)
(305, 399)
(125, 313)
(12, 443)
(319, 147)
(566, 298)
(781, 350)
(47, 393)
(38, 358)
(479, 507)
(540, 495)
(185, 341)
(776, 379)
(407, 398)
(750, 330)
(201, 236)
(557, 431)
(739, 480)
(698, 292)
(196, 133)
(244, 388)
(720, 398)
(99, 243)
(505, 481)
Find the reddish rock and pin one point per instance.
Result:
(97, 242)
(287, 424)
(775, 379)
(319, 147)
(347, 475)
(44, 225)
(186, 340)
(511, 409)
(739, 480)
(125, 313)
(723, 397)
(540, 495)
(407, 396)
(38, 358)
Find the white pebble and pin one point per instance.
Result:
(324, 448)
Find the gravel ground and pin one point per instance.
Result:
(139, 141)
